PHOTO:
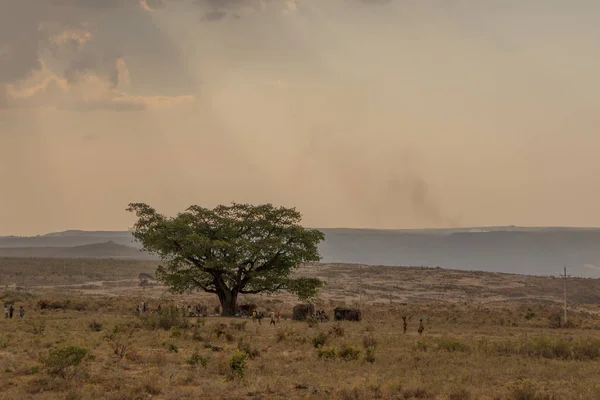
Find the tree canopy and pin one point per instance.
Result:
(230, 249)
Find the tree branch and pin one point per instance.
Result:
(203, 287)
(256, 291)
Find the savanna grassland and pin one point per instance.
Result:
(487, 336)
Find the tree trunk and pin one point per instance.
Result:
(228, 300)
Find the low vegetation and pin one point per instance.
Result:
(97, 347)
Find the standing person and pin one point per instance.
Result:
(11, 311)
(137, 309)
(404, 324)
(272, 318)
(21, 311)
(421, 327)
(254, 316)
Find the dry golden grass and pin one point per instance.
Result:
(472, 348)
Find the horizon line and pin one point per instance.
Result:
(350, 228)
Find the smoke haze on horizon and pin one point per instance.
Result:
(360, 113)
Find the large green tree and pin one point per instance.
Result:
(230, 249)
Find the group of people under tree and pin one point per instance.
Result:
(321, 315)
(9, 311)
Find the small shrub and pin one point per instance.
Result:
(527, 389)
(319, 340)
(336, 330)
(197, 359)
(312, 322)
(238, 326)
(326, 353)
(460, 394)
(529, 316)
(417, 393)
(120, 341)
(197, 335)
(369, 341)
(421, 345)
(5, 340)
(95, 326)
(37, 326)
(452, 345)
(168, 318)
(245, 347)
(213, 348)
(63, 362)
(370, 354)
(175, 332)
(150, 388)
(173, 348)
(349, 353)
(543, 347)
(237, 364)
(554, 320)
(281, 335)
(229, 337)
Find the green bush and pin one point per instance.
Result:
(173, 348)
(349, 353)
(63, 362)
(5, 340)
(237, 364)
(95, 326)
(370, 354)
(320, 340)
(326, 353)
(245, 347)
(197, 359)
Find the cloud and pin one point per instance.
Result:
(53, 54)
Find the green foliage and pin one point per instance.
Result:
(230, 250)
(349, 353)
(320, 340)
(237, 364)
(173, 348)
(370, 354)
(95, 326)
(63, 362)
(245, 347)
(5, 340)
(327, 353)
(369, 343)
(198, 359)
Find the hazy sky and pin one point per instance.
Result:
(383, 114)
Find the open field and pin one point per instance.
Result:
(487, 336)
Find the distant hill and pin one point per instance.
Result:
(521, 250)
(95, 250)
(69, 239)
